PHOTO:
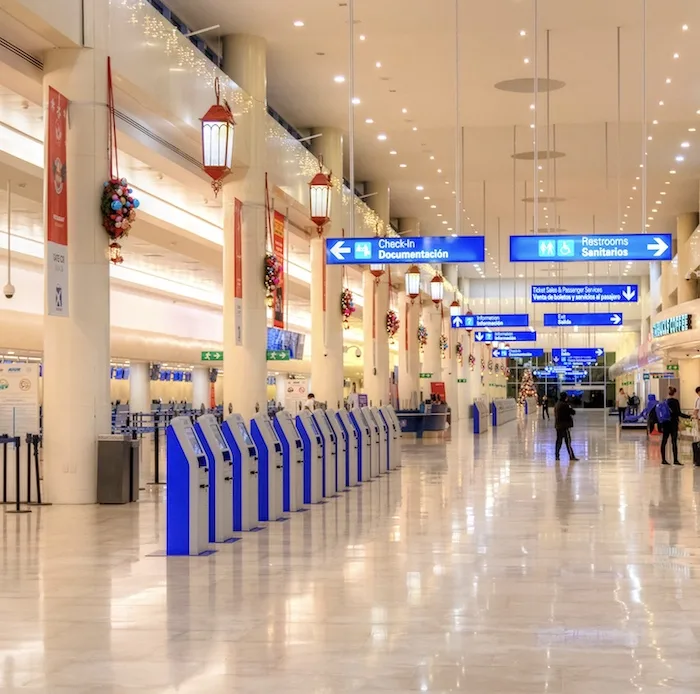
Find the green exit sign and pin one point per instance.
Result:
(212, 356)
(671, 367)
(426, 375)
(277, 355)
(461, 380)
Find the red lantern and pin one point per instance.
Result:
(455, 308)
(412, 279)
(217, 140)
(377, 271)
(437, 289)
(320, 199)
(469, 313)
(115, 253)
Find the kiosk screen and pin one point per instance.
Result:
(219, 438)
(244, 433)
(194, 441)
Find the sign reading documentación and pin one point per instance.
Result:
(407, 249)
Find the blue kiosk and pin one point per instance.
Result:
(351, 451)
(313, 457)
(330, 452)
(269, 466)
(292, 461)
(364, 451)
(187, 501)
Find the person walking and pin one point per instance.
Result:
(668, 414)
(563, 423)
(545, 406)
(621, 405)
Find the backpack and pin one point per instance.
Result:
(663, 412)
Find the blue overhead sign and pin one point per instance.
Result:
(505, 320)
(600, 247)
(584, 293)
(505, 336)
(564, 320)
(518, 353)
(407, 249)
(577, 354)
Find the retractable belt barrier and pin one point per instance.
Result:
(6, 441)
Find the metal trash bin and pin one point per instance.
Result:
(117, 469)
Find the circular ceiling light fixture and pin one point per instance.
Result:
(339, 79)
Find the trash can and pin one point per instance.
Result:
(117, 469)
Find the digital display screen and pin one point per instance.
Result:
(278, 339)
(272, 431)
(194, 441)
(244, 433)
(219, 438)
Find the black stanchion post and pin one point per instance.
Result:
(29, 468)
(18, 465)
(37, 440)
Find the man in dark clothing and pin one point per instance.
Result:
(563, 423)
(545, 406)
(670, 427)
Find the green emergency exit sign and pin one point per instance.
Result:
(277, 355)
(461, 380)
(426, 375)
(212, 356)
(671, 367)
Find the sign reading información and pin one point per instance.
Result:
(408, 249)
(503, 320)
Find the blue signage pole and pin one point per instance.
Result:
(584, 293)
(406, 250)
(563, 320)
(597, 248)
(505, 336)
(506, 320)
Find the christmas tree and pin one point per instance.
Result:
(527, 388)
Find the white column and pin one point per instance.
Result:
(409, 352)
(326, 321)
(432, 360)
(245, 334)
(376, 296)
(685, 226)
(201, 387)
(139, 387)
(76, 348)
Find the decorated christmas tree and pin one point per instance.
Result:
(527, 388)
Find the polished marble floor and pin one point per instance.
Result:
(481, 567)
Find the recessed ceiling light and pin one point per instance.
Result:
(362, 37)
(691, 130)
(668, 80)
(369, 121)
(661, 103)
(414, 128)
(439, 214)
(381, 137)
(684, 27)
(680, 157)
(634, 187)
(654, 210)
(427, 197)
(419, 188)
(432, 158)
(659, 202)
(651, 219)
(339, 79)
(668, 183)
(450, 229)
(532, 107)
(439, 170)
(685, 145)
(404, 110)
(526, 61)
(403, 166)
(433, 207)
(650, 137)
(625, 215)
(654, 122)
(444, 221)
(663, 192)
(378, 64)
(676, 56)
(672, 171)
(523, 32)
(393, 151)
(356, 100)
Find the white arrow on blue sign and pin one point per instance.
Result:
(505, 336)
(506, 320)
(584, 293)
(576, 353)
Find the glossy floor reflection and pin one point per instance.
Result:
(479, 567)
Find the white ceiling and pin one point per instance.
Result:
(414, 41)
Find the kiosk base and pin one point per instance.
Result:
(205, 553)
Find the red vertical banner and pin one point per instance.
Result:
(212, 396)
(278, 240)
(56, 206)
(405, 328)
(238, 269)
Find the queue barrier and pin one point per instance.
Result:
(6, 441)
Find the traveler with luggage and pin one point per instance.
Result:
(563, 423)
(668, 415)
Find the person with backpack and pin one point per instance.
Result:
(668, 415)
(563, 423)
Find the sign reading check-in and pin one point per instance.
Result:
(407, 249)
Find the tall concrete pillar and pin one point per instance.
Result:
(139, 387)
(409, 351)
(685, 226)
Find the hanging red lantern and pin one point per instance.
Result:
(115, 253)
(455, 309)
(320, 199)
(377, 271)
(437, 289)
(412, 279)
(469, 313)
(217, 140)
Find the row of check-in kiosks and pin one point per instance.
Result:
(224, 479)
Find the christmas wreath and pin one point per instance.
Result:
(273, 276)
(443, 345)
(392, 324)
(472, 362)
(422, 336)
(490, 366)
(483, 366)
(459, 350)
(118, 208)
(347, 306)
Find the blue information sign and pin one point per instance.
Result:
(406, 250)
(505, 320)
(577, 354)
(563, 320)
(518, 353)
(595, 248)
(584, 293)
(505, 336)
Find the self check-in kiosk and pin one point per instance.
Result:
(394, 442)
(330, 452)
(383, 440)
(220, 464)
(313, 457)
(245, 473)
(375, 469)
(365, 435)
(269, 467)
(352, 445)
(292, 461)
(187, 501)
(338, 474)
